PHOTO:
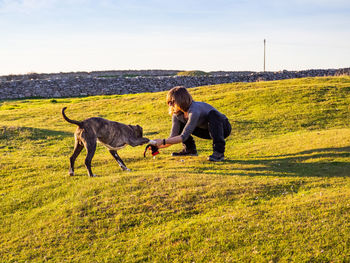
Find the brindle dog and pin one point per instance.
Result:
(113, 135)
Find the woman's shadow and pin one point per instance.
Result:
(323, 162)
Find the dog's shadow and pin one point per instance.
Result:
(29, 133)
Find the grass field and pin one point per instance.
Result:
(282, 195)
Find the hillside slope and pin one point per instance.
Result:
(283, 193)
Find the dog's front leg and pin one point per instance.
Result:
(119, 160)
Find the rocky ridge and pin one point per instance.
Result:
(132, 81)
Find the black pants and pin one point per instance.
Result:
(218, 130)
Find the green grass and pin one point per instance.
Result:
(192, 73)
(282, 195)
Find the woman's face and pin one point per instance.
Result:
(171, 103)
(173, 107)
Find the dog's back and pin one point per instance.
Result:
(112, 134)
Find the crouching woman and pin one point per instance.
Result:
(191, 117)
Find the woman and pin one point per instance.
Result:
(191, 117)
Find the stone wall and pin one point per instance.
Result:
(123, 82)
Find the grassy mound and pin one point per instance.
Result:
(193, 73)
(282, 195)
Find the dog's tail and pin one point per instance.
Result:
(79, 123)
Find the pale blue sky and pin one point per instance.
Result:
(86, 35)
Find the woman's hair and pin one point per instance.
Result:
(178, 100)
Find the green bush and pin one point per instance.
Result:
(193, 73)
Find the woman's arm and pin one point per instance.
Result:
(168, 142)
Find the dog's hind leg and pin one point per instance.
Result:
(91, 148)
(119, 160)
(77, 150)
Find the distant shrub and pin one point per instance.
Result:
(193, 73)
(33, 75)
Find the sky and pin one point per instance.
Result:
(48, 36)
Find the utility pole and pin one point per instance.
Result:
(264, 53)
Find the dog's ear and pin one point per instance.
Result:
(137, 130)
(140, 129)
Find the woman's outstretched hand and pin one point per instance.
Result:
(152, 142)
(156, 142)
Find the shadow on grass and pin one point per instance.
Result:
(323, 162)
(317, 163)
(28, 133)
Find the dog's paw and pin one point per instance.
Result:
(125, 168)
